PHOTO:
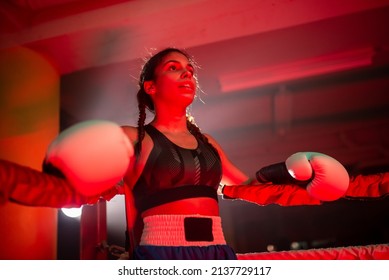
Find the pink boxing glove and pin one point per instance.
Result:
(323, 177)
(92, 155)
(329, 179)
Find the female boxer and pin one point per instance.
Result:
(171, 170)
(176, 170)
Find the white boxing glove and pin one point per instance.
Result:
(92, 155)
(329, 179)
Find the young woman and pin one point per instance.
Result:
(176, 170)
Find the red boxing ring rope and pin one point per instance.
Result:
(370, 252)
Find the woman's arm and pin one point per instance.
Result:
(89, 159)
(26, 186)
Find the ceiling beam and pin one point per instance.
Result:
(126, 28)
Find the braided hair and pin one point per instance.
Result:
(145, 101)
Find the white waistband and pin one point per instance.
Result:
(169, 230)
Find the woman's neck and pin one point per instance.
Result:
(170, 123)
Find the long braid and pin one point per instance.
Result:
(141, 126)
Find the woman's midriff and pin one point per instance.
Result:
(203, 206)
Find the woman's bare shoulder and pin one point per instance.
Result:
(131, 132)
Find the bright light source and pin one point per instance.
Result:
(295, 245)
(270, 248)
(72, 212)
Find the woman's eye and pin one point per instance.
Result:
(172, 67)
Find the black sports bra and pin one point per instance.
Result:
(173, 173)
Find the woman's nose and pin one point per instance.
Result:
(187, 74)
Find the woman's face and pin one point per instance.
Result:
(174, 81)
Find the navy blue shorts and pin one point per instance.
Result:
(213, 252)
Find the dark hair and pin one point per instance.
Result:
(145, 101)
